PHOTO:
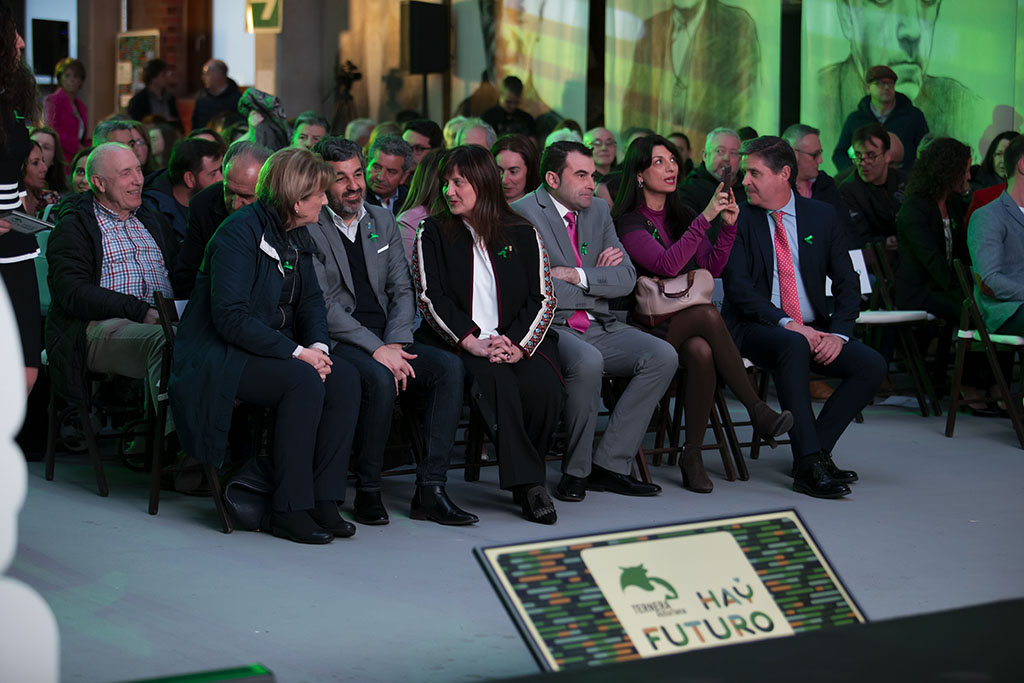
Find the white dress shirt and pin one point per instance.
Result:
(485, 289)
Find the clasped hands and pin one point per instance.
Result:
(320, 361)
(612, 256)
(824, 346)
(499, 349)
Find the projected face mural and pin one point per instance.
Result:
(896, 33)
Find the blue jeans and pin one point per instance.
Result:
(440, 376)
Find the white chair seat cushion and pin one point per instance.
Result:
(1011, 339)
(893, 317)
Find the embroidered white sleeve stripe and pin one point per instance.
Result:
(426, 305)
(539, 326)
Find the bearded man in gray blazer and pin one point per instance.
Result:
(589, 267)
(370, 306)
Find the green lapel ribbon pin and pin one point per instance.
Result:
(288, 265)
(373, 236)
(809, 239)
(583, 248)
(655, 234)
(505, 251)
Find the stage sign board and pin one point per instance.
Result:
(663, 590)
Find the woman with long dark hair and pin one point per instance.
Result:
(664, 239)
(484, 288)
(17, 250)
(931, 233)
(519, 162)
(37, 197)
(991, 171)
(255, 329)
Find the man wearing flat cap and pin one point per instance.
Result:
(891, 109)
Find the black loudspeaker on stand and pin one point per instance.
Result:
(426, 46)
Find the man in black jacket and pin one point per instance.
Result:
(891, 109)
(721, 153)
(107, 257)
(211, 206)
(219, 94)
(875, 193)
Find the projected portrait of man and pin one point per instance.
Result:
(695, 68)
(897, 34)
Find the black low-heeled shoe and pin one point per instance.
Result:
(432, 503)
(327, 516)
(536, 504)
(298, 526)
(769, 424)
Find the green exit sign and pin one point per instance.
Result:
(263, 16)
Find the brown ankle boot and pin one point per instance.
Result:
(769, 424)
(692, 466)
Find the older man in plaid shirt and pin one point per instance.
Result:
(107, 257)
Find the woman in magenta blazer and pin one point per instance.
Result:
(64, 112)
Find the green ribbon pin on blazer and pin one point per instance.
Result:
(373, 236)
(505, 251)
(809, 239)
(583, 248)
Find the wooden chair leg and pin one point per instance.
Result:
(723, 447)
(155, 446)
(661, 429)
(1003, 386)
(675, 436)
(954, 392)
(94, 449)
(218, 497)
(730, 434)
(912, 355)
(641, 467)
(51, 435)
(755, 435)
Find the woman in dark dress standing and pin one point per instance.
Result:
(484, 288)
(17, 251)
(664, 239)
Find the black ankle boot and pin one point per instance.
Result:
(433, 503)
(695, 477)
(370, 508)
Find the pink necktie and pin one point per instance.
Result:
(578, 320)
(787, 276)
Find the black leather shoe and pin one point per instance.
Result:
(571, 489)
(433, 503)
(327, 516)
(298, 526)
(842, 476)
(370, 508)
(816, 482)
(601, 479)
(536, 504)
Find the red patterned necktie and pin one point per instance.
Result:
(578, 320)
(787, 276)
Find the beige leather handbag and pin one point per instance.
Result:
(658, 299)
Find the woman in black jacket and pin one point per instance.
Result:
(484, 287)
(931, 233)
(17, 250)
(255, 329)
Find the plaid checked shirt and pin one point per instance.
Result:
(132, 261)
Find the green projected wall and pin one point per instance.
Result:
(692, 65)
(960, 61)
(544, 43)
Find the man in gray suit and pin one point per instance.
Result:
(370, 306)
(589, 267)
(995, 238)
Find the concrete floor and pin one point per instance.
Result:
(934, 523)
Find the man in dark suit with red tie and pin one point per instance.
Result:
(776, 310)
